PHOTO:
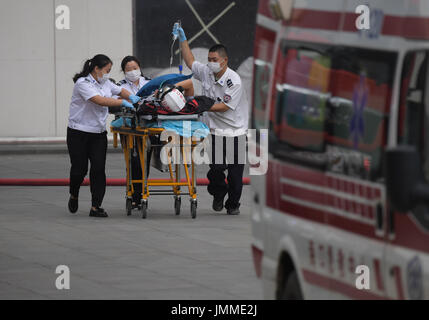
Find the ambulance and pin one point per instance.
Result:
(343, 209)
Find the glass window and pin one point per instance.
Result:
(413, 119)
(361, 89)
(413, 107)
(330, 107)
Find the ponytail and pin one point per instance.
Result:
(100, 61)
(85, 72)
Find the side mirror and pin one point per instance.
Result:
(405, 183)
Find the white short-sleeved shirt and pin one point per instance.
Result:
(131, 87)
(86, 115)
(229, 90)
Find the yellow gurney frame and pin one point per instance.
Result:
(140, 135)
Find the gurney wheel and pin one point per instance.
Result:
(144, 209)
(129, 206)
(177, 204)
(193, 209)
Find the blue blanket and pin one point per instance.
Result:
(120, 122)
(156, 83)
(184, 128)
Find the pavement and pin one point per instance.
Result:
(162, 257)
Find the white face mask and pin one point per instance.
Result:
(133, 76)
(214, 67)
(105, 77)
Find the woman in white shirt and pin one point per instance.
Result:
(133, 82)
(86, 132)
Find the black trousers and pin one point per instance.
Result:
(136, 169)
(84, 146)
(136, 172)
(229, 160)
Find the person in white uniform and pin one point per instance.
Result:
(134, 79)
(228, 122)
(133, 82)
(86, 133)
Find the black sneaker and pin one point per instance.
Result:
(217, 204)
(233, 211)
(98, 213)
(73, 204)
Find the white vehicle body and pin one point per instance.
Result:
(333, 98)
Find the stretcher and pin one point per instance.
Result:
(138, 135)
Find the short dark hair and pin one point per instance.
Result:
(129, 59)
(221, 49)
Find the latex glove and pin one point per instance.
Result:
(179, 32)
(134, 99)
(126, 104)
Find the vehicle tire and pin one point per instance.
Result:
(193, 209)
(177, 204)
(144, 209)
(129, 206)
(291, 289)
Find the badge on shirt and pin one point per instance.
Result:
(227, 98)
(229, 83)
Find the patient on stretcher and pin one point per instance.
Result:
(166, 95)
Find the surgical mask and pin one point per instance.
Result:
(133, 76)
(214, 67)
(105, 77)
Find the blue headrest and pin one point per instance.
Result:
(154, 84)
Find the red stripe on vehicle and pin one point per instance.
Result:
(378, 276)
(321, 198)
(407, 232)
(407, 27)
(315, 19)
(318, 178)
(335, 285)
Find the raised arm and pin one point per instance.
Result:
(186, 51)
(187, 54)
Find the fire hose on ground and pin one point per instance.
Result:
(65, 182)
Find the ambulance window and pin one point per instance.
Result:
(298, 111)
(330, 107)
(356, 127)
(413, 105)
